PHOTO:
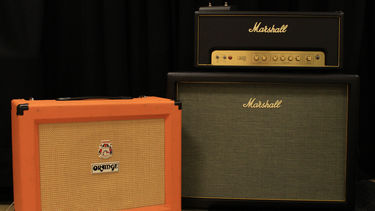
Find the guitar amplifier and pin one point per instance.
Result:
(303, 40)
(268, 140)
(97, 154)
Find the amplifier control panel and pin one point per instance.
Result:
(268, 58)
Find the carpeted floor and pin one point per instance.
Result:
(365, 197)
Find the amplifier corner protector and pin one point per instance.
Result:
(21, 108)
(178, 103)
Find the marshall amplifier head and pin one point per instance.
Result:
(96, 154)
(267, 140)
(269, 39)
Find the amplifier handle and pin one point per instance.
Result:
(93, 97)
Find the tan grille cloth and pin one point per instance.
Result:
(67, 151)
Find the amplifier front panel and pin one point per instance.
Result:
(67, 151)
(264, 141)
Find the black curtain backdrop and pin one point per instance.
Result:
(52, 49)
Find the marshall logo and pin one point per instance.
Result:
(99, 168)
(265, 105)
(105, 149)
(268, 29)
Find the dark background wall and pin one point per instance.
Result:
(52, 49)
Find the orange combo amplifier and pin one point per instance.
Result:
(97, 154)
(303, 40)
(267, 140)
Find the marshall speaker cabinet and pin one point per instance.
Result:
(96, 154)
(303, 40)
(252, 139)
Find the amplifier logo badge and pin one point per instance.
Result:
(99, 168)
(105, 149)
(268, 29)
(265, 105)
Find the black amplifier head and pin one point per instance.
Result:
(312, 40)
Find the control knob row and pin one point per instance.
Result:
(282, 58)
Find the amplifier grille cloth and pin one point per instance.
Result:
(296, 152)
(67, 151)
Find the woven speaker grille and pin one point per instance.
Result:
(295, 152)
(67, 151)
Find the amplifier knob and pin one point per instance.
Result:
(264, 58)
(256, 58)
(308, 58)
(298, 58)
(274, 58)
(290, 58)
(282, 58)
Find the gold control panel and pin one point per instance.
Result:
(268, 58)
